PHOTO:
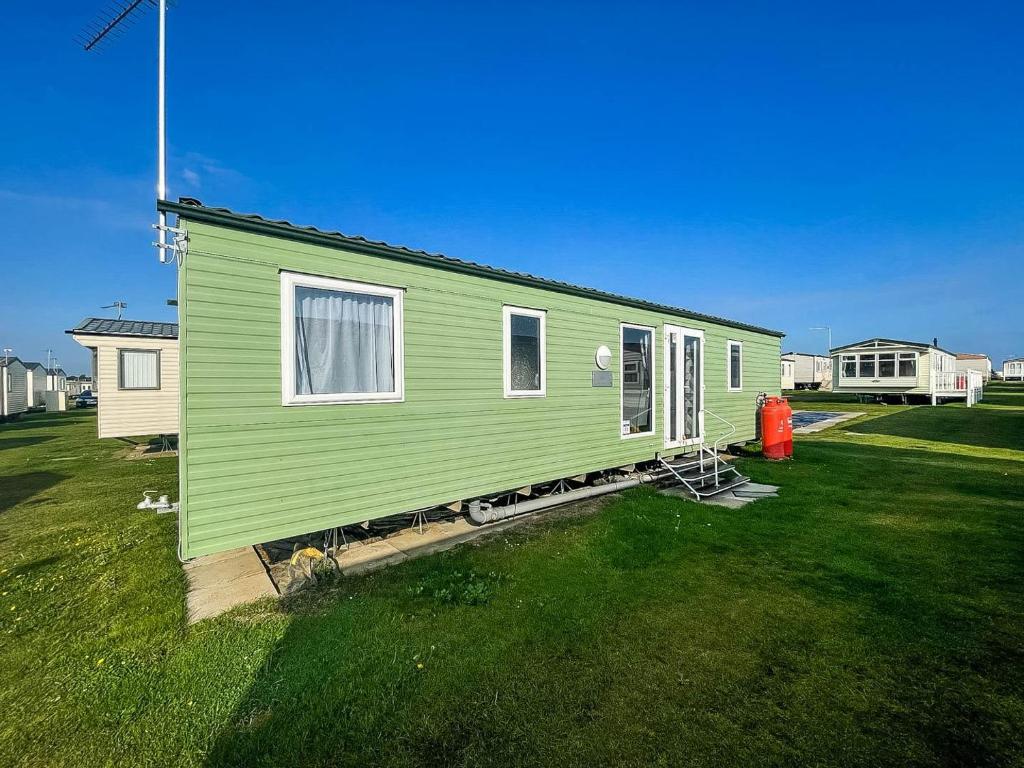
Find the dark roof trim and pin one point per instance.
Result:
(4, 362)
(104, 326)
(259, 225)
(897, 342)
(805, 354)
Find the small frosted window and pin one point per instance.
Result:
(525, 348)
(735, 365)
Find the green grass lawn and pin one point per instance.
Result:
(872, 615)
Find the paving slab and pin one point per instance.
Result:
(360, 558)
(734, 498)
(818, 426)
(436, 537)
(218, 583)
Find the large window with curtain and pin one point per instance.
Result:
(637, 380)
(341, 342)
(136, 369)
(524, 350)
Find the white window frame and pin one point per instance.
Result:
(289, 282)
(506, 350)
(843, 360)
(622, 380)
(728, 365)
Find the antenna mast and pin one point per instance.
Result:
(119, 305)
(124, 15)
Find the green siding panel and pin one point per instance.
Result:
(253, 470)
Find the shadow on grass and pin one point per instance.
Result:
(23, 442)
(1004, 394)
(964, 426)
(651, 612)
(20, 488)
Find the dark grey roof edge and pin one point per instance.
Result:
(805, 354)
(256, 223)
(124, 328)
(901, 342)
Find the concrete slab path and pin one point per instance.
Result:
(217, 583)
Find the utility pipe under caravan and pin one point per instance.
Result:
(481, 514)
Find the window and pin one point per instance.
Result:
(908, 364)
(735, 365)
(887, 365)
(341, 342)
(867, 367)
(849, 366)
(138, 369)
(637, 377)
(525, 370)
(631, 372)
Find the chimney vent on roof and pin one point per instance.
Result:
(935, 341)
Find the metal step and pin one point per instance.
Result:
(708, 474)
(707, 481)
(705, 493)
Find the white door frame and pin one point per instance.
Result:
(681, 333)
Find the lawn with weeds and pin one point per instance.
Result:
(871, 615)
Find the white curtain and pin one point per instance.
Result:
(344, 342)
(138, 370)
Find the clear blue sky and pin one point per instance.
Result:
(786, 164)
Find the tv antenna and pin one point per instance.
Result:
(121, 15)
(7, 354)
(827, 329)
(119, 305)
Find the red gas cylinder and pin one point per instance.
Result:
(787, 443)
(774, 419)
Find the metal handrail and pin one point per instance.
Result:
(730, 433)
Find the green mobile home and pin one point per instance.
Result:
(328, 379)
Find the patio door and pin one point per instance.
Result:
(684, 386)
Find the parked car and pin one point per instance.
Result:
(86, 399)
